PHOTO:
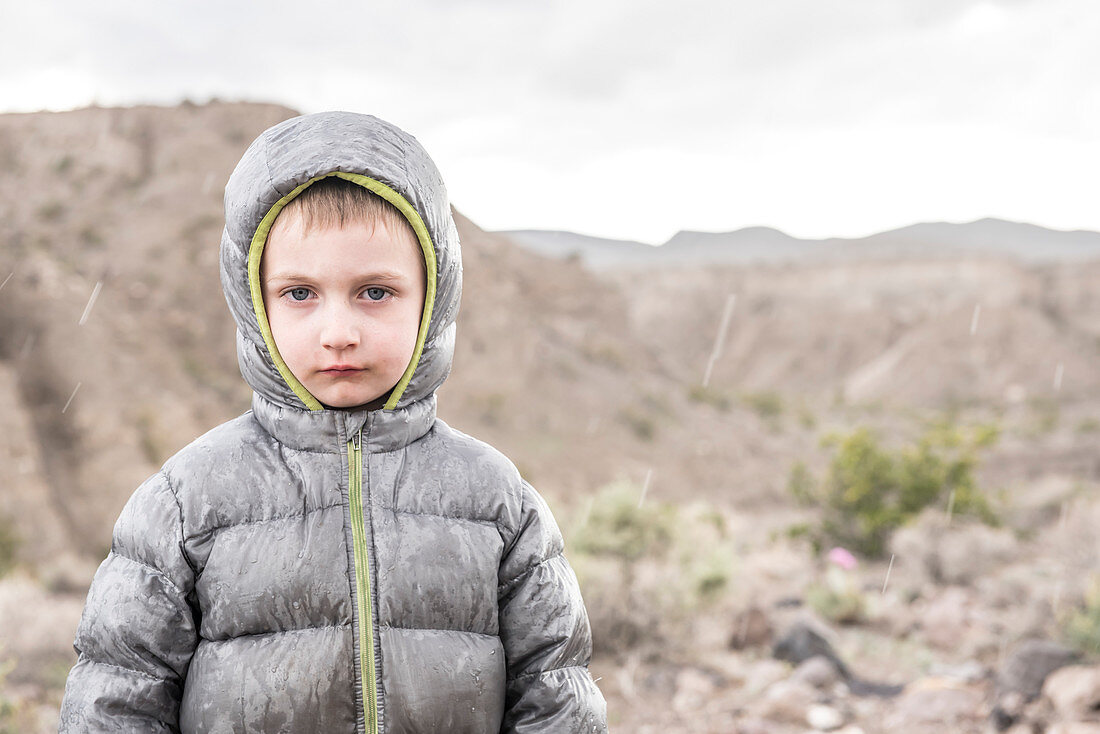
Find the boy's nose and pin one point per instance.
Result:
(338, 328)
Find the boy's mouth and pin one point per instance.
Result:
(340, 370)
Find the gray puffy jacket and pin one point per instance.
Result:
(301, 569)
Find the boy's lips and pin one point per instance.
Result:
(340, 370)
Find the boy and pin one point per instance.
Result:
(337, 559)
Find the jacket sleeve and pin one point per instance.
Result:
(138, 629)
(545, 631)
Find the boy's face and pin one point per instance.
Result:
(344, 306)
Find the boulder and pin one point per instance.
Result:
(751, 628)
(801, 642)
(936, 701)
(1028, 665)
(825, 718)
(1074, 691)
(1074, 727)
(786, 702)
(819, 672)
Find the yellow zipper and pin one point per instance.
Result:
(362, 582)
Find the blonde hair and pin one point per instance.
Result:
(337, 202)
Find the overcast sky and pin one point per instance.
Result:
(635, 119)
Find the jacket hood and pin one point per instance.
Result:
(281, 163)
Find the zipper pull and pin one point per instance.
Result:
(357, 439)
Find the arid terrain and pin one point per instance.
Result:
(680, 417)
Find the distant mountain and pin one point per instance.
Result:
(592, 251)
(752, 244)
(1026, 243)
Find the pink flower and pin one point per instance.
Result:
(843, 558)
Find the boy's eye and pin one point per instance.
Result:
(375, 294)
(298, 294)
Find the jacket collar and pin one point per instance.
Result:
(328, 431)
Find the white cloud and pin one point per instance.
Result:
(560, 113)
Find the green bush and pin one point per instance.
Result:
(1081, 627)
(51, 211)
(641, 425)
(90, 236)
(709, 396)
(837, 597)
(1045, 415)
(768, 404)
(869, 490)
(16, 716)
(806, 416)
(9, 546)
(64, 165)
(1088, 425)
(149, 437)
(646, 567)
(607, 355)
(622, 526)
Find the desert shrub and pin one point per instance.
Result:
(149, 437)
(16, 717)
(656, 402)
(9, 546)
(63, 165)
(837, 597)
(800, 483)
(806, 416)
(51, 211)
(870, 490)
(767, 404)
(493, 408)
(709, 396)
(90, 236)
(646, 567)
(1088, 425)
(607, 355)
(1045, 415)
(640, 424)
(622, 526)
(1081, 626)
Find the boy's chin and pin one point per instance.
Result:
(336, 402)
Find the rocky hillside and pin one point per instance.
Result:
(696, 390)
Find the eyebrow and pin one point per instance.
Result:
(381, 275)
